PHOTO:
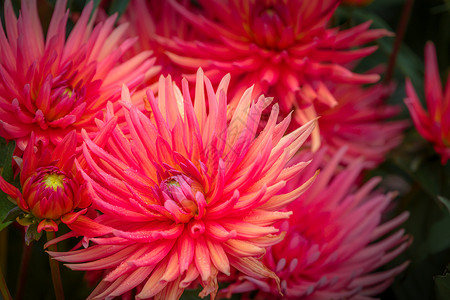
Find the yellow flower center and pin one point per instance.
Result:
(68, 92)
(53, 181)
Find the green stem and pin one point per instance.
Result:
(22, 279)
(54, 266)
(3, 248)
(4, 288)
(399, 34)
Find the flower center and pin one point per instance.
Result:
(68, 92)
(183, 198)
(53, 181)
(268, 28)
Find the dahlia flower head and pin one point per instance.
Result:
(285, 48)
(335, 239)
(360, 121)
(51, 86)
(52, 190)
(434, 124)
(184, 192)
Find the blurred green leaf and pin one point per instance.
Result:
(383, 3)
(118, 6)
(32, 234)
(13, 214)
(6, 171)
(6, 153)
(445, 202)
(407, 62)
(440, 236)
(5, 207)
(417, 281)
(442, 285)
(192, 294)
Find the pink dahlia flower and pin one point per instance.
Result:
(335, 239)
(433, 125)
(359, 121)
(51, 190)
(185, 194)
(285, 48)
(51, 86)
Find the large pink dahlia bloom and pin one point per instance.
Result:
(51, 86)
(185, 194)
(285, 48)
(433, 125)
(335, 240)
(359, 121)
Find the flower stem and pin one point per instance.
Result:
(22, 279)
(4, 288)
(399, 34)
(54, 266)
(3, 248)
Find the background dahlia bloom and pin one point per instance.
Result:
(359, 121)
(51, 190)
(433, 125)
(185, 194)
(51, 86)
(283, 47)
(334, 240)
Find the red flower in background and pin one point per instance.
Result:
(51, 86)
(335, 239)
(433, 125)
(359, 121)
(284, 48)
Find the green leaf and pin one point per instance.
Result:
(407, 62)
(94, 8)
(192, 294)
(445, 202)
(32, 234)
(5, 207)
(440, 236)
(442, 286)
(6, 171)
(13, 214)
(118, 6)
(6, 153)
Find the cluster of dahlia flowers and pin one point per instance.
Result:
(242, 174)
